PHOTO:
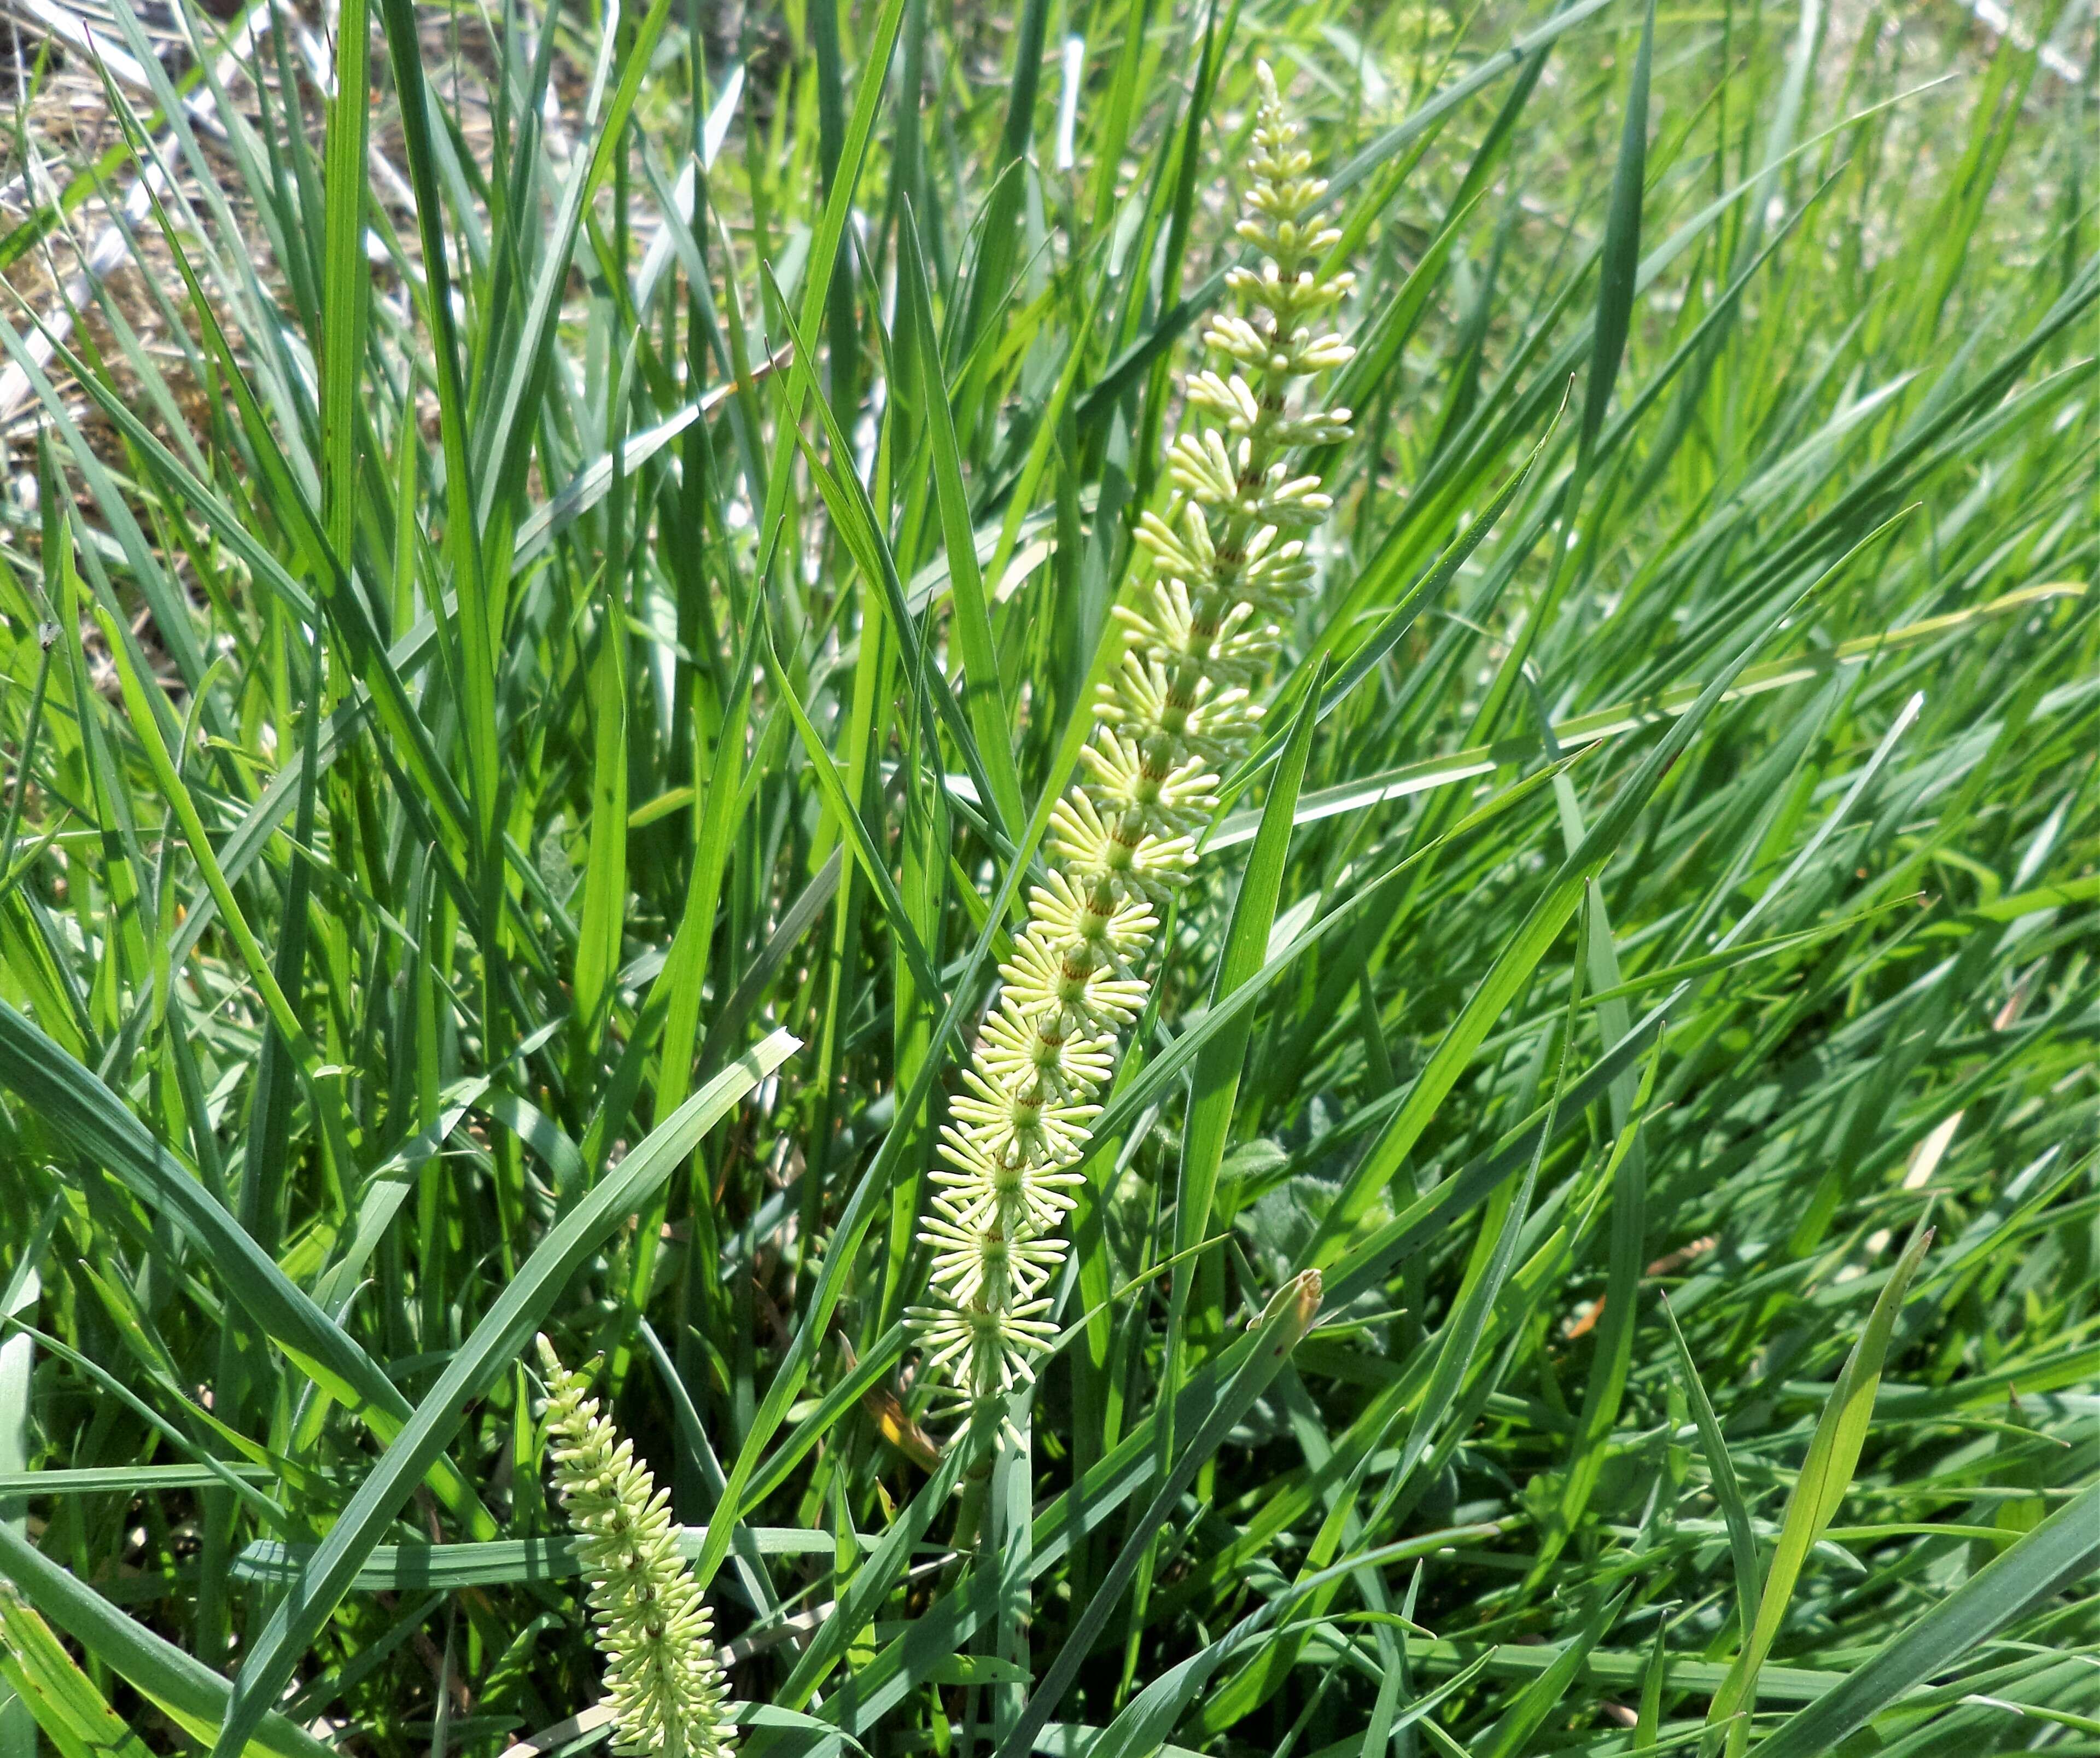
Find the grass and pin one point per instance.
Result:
(540, 620)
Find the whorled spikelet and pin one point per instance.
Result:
(1229, 560)
(661, 1681)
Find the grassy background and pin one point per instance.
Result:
(517, 592)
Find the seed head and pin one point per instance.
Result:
(661, 1680)
(1230, 560)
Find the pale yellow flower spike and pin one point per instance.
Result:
(661, 1680)
(1229, 562)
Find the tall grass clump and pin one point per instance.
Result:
(1255, 846)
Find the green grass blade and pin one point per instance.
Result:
(1215, 1079)
(1742, 1542)
(194, 1696)
(603, 918)
(1618, 269)
(1833, 1451)
(49, 1685)
(2057, 1555)
(983, 696)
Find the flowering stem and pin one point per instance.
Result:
(662, 1683)
(1174, 712)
